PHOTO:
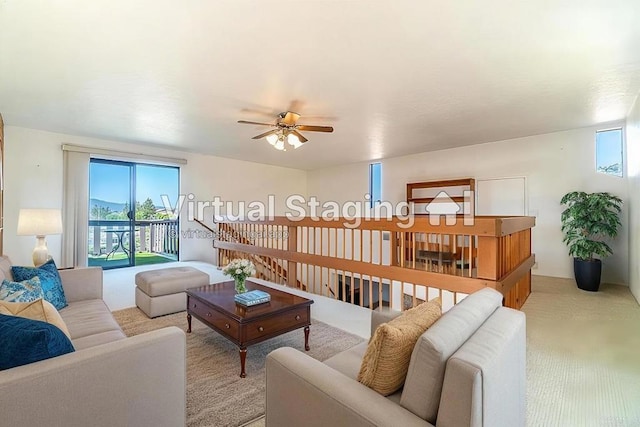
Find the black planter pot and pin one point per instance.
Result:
(587, 274)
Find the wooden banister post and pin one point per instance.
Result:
(488, 258)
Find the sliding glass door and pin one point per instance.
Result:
(157, 227)
(111, 213)
(128, 222)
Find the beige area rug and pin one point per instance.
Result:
(216, 395)
(583, 352)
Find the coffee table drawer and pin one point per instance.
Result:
(290, 320)
(227, 326)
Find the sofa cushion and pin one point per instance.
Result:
(49, 279)
(348, 362)
(84, 318)
(423, 386)
(26, 291)
(386, 360)
(24, 341)
(98, 339)
(37, 310)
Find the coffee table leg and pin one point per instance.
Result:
(189, 322)
(243, 358)
(306, 338)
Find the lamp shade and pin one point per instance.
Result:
(39, 222)
(272, 139)
(294, 140)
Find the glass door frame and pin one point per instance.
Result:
(131, 214)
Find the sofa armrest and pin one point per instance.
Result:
(304, 391)
(485, 382)
(82, 283)
(379, 317)
(137, 381)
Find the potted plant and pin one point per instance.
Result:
(588, 220)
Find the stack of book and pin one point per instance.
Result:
(252, 298)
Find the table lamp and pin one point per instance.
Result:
(39, 223)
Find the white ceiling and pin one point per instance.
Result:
(392, 77)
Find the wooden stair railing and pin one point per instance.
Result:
(268, 263)
(266, 267)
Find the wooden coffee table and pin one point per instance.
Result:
(214, 306)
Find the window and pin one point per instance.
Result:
(375, 183)
(128, 222)
(609, 152)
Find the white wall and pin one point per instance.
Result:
(33, 178)
(553, 164)
(633, 169)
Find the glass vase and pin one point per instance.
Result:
(240, 287)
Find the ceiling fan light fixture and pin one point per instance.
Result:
(272, 139)
(294, 140)
(287, 131)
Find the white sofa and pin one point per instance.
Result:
(110, 380)
(467, 369)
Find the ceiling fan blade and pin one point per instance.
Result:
(246, 122)
(262, 135)
(315, 128)
(290, 118)
(299, 135)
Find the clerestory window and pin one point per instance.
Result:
(609, 152)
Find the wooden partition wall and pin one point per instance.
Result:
(384, 262)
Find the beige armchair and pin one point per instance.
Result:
(468, 369)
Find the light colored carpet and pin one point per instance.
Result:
(216, 395)
(583, 355)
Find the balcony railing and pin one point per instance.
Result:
(111, 241)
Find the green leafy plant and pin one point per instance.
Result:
(588, 220)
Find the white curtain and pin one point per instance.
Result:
(75, 209)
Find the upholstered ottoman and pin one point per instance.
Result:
(160, 292)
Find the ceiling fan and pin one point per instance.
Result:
(286, 130)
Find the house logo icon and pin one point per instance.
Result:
(445, 205)
(442, 205)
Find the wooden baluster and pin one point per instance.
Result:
(292, 266)
(413, 303)
(413, 249)
(393, 248)
(352, 287)
(322, 290)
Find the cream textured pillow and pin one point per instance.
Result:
(386, 361)
(36, 310)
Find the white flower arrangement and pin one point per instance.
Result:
(240, 269)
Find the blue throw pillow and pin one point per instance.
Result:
(49, 279)
(24, 341)
(24, 291)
